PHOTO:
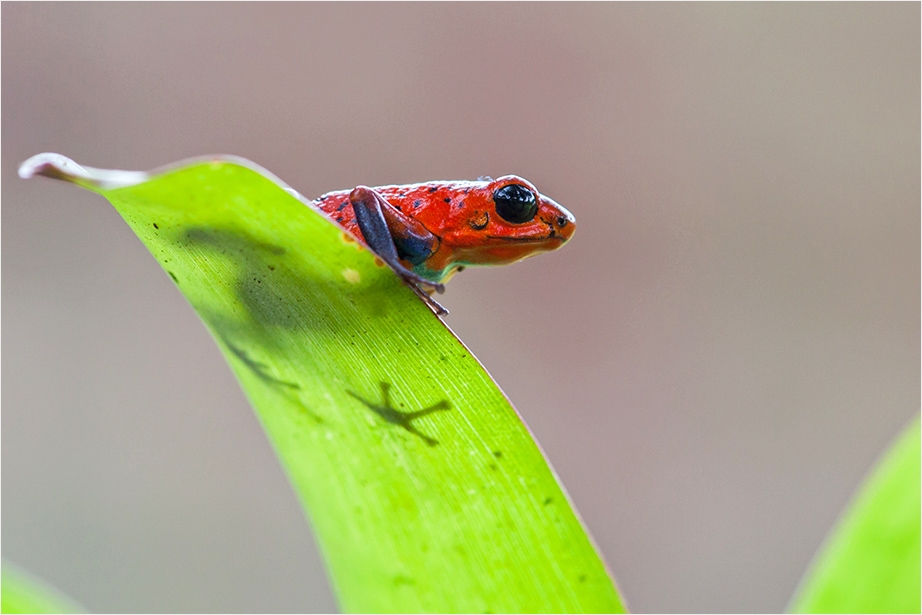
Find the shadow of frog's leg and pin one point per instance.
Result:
(442, 405)
(402, 419)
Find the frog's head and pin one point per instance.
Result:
(506, 220)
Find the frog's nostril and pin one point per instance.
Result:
(562, 221)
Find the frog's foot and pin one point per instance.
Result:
(423, 291)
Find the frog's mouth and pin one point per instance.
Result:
(552, 235)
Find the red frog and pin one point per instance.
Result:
(428, 232)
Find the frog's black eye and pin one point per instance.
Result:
(515, 203)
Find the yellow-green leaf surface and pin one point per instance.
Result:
(871, 562)
(425, 489)
(22, 593)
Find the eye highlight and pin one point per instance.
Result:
(515, 203)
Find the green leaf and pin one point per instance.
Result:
(425, 489)
(871, 562)
(22, 593)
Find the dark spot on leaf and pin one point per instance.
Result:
(582, 578)
(548, 500)
(493, 466)
(156, 227)
(173, 275)
(271, 267)
(498, 454)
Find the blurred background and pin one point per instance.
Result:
(712, 365)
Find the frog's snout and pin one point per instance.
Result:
(561, 222)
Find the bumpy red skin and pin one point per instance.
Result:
(463, 217)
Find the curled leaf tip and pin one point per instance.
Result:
(61, 167)
(49, 164)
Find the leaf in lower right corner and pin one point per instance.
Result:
(871, 562)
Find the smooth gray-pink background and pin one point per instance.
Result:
(711, 365)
